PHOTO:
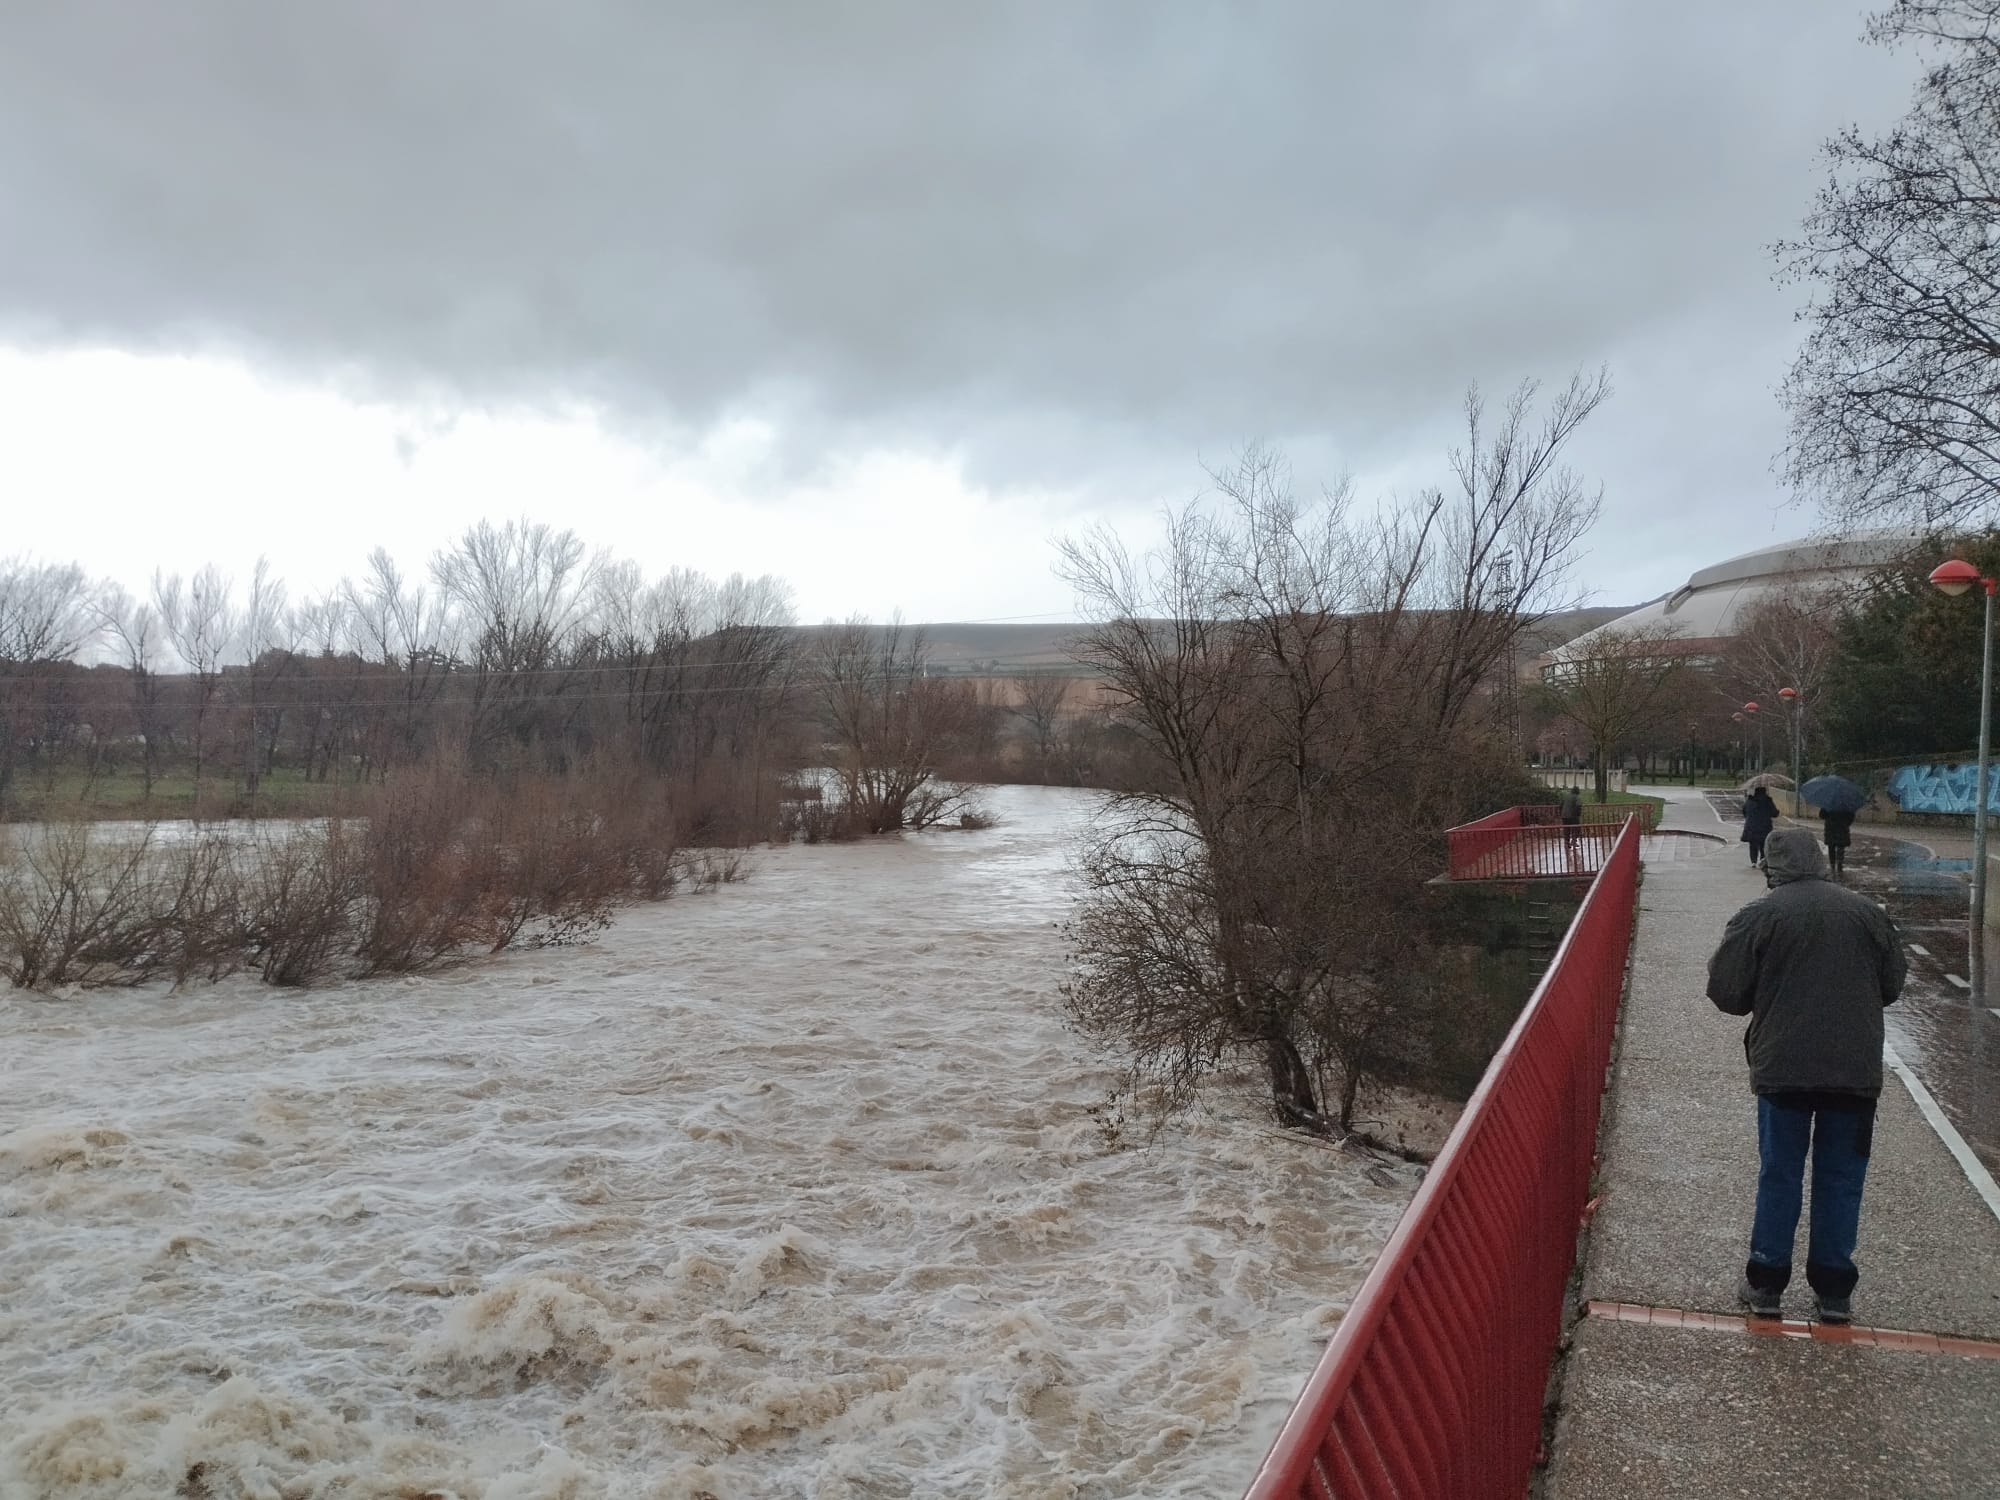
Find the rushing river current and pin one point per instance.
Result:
(795, 1188)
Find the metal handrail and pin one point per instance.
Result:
(1432, 1385)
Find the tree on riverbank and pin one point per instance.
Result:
(1314, 689)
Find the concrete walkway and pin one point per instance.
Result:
(1701, 1406)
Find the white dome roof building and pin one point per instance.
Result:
(1703, 614)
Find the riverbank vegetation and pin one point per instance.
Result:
(1317, 689)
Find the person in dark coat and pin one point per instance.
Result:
(1759, 814)
(1812, 965)
(1837, 833)
(1569, 810)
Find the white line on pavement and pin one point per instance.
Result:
(1961, 983)
(1974, 1169)
(1920, 950)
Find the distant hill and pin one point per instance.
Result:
(961, 647)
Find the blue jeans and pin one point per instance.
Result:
(1840, 1139)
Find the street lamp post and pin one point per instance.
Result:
(1797, 706)
(1954, 578)
(1742, 745)
(1750, 712)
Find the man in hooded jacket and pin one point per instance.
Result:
(1812, 964)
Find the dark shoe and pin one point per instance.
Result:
(1763, 1302)
(1833, 1309)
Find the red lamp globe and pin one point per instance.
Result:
(1954, 577)
(1750, 708)
(1788, 693)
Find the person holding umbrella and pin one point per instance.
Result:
(1837, 799)
(1760, 815)
(1836, 836)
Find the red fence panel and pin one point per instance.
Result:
(1613, 813)
(1537, 851)
(1481, 839)
(1432, 1385)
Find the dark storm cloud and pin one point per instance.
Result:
(1045, 231)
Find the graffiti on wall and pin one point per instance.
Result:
(1941, 789)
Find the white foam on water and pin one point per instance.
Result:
(793, 1188)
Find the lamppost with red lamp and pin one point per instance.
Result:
(1954, 578)
(1750, 712)
(1742, 745)
(1797, 705)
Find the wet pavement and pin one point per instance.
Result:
(1701, 1405)
(1944, 1027)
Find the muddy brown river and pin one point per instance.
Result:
(797, 1188)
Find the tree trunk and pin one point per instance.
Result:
(1292, 1095)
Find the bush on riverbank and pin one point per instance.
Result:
(433, 869)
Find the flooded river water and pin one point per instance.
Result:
(797, 1188)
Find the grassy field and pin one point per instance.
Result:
(71, 793)
(1611, 797)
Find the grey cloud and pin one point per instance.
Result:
(1079, 240)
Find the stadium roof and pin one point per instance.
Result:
(1707, 607)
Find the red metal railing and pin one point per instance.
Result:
(1613, 813)
(1523, 843)
(1472, 843)
(1532, 853)
(1432, 1386)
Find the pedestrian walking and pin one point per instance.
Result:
(1837, 833)
(1812, 964)
(1569, 809)
(1760, 813)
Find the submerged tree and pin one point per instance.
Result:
(889, 722)
(1314, 691)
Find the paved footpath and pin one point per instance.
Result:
(1689, 1401)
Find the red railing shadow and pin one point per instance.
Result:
(1433, 1383)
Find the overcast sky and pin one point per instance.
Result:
(881, 297)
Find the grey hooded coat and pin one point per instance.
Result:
(1812, 964)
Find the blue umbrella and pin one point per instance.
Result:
(1834, 793)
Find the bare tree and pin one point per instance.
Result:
(414, 636)
(200, 621)
(1313, 691)
(267, 645)
(1038, 700)
(46, 618)
(1789, 640)
(1510, 533)
(1894, 397)
(525, 590)
(1616, 686)
(889, 721)
(134, 628)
